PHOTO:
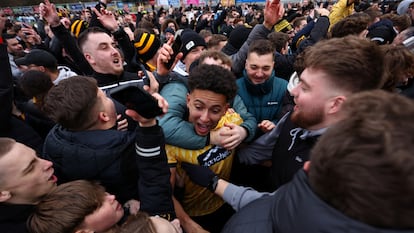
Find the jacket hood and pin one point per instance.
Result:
(64, 73)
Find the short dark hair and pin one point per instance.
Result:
(35, 83)
(351, 25)
(398, 63)
(84, 36)
(279, 40)
(72, 102)
(400, 22)
(213, 78)
(364, 165)
(7, 36)
(353, 64)
(261, 47)
(65, 208)
(215, 40)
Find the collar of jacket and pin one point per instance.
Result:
(106, 79)
(258, 89)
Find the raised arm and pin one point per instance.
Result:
(154, 174)
(6, 82)
(273, 12)
(49, 13)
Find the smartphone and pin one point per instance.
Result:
(146, 78)
(135, 98)
(24, 25)
(176, 46)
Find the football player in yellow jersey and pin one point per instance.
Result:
(211, 89)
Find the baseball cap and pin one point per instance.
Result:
(37, 57)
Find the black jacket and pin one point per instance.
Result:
(290, 153)
(10, 125)
(115, 159)
(295, 208)
(13, 217)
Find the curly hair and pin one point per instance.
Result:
(398, 65)
(351, 25)
(213, 78)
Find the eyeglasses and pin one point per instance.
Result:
(86, 11)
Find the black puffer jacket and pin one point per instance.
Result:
(295, 208)
(107, 156)
(131, 165)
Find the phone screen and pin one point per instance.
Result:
(176, 46)
(133, 97)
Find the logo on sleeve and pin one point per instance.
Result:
(212, 156)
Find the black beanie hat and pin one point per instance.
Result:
(236, 39)
(147, 46)
(238, 36)
(190, 39)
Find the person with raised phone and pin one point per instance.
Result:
(85, 144)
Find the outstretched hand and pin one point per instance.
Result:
(107, 19)
(273, 12)
(48, 12)
(164, 55)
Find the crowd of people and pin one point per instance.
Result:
(268, 118)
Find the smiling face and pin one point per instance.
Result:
(205, 110)
(105, 216)
(312, 97)
(25, 178)
(101, 53)
(259, 67)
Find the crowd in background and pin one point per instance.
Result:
(236, 96)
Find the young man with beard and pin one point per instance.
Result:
(14, 49)
(359, 178)
(324, 86)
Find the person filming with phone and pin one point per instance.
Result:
(85, 144)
